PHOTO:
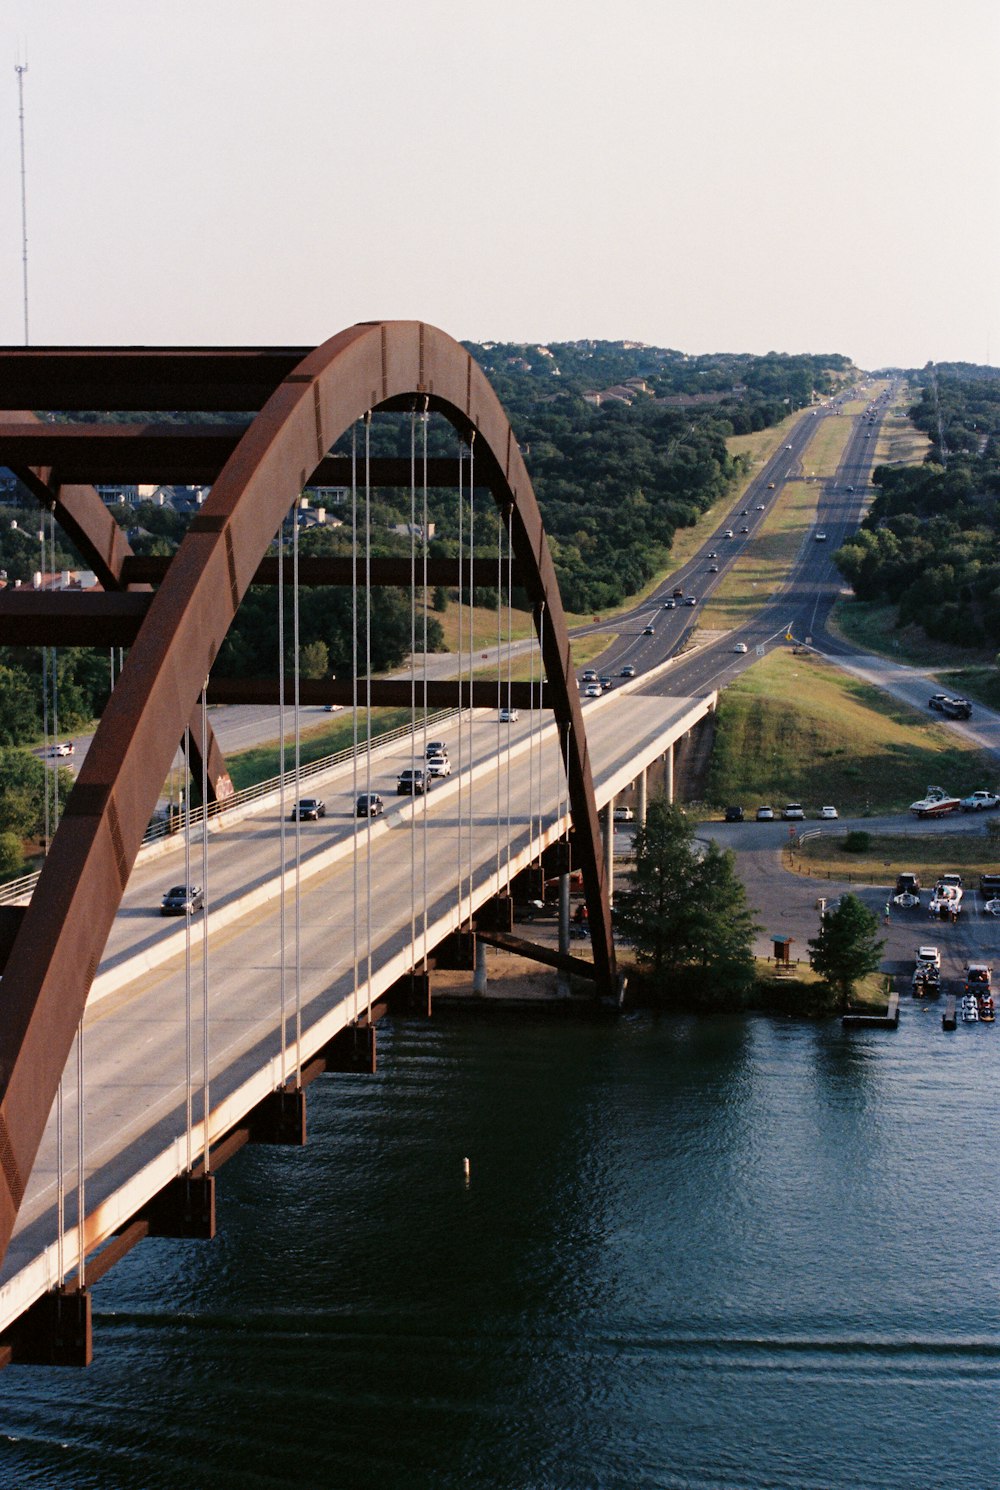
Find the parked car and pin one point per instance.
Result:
(438, 765)
(989, 885)
(740, 647)
(509, 716)
(624, 815)
(628, 671)
(308, 810)
(181, 900)
(980, 802)
(369, 804)
(413, 782)
(828, 813)
(62, 748)
(733, 815)
(930, 955)
(765, 814)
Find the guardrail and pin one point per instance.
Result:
(22, 889)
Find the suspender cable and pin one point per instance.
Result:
(368, 673)
(81, 1183)
(45, 739)
(510, 675)
(206, 890)
(413, 679)
(55, 691)
(297, 728)
(425, 420)
(60, 1187)
(472, 619)
(188, 1021)
(354, 703)
(282, 845)
(499, 682)
(461, 711)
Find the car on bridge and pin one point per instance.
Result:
(624, 815)
(308, 809)
(509, 716)
(182, 900)
(435, 747)
(413, 782)
(369, 804)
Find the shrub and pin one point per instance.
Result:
(857, 842)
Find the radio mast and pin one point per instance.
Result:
(21, 68)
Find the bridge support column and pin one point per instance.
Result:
(479, 979)
(562, 978)
(641, 797)
(668, 774)
(609, 849)
(55, 1331)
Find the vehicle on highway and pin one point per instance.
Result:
(438, 765)
(509, 716)
(712, 555)
(628, 671)
(624, 815)
(744, 529)
(61, 748)
(820, 537)
(957, 708)
(413, 782)
(590, 675)
(606, 681)
(369, 804)
(678, 592)
(593, 690)
(670, 605)
(937, 700)
(935, 803)
(728, 533)
(713, 568)
(760, 507)
(733, 815)
(181, 900)
(647, 631)
(691, 600)
(308, 810)
(745, 512)
(765, 814)
(792, 812)
(828, 814)
(788, 447)
(770, 486)
(741, 648)
(980, 802)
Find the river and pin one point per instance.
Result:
(723, 1254)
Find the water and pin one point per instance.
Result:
(726, 1255)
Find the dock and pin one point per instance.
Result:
(887, 1021)
(949, 1020)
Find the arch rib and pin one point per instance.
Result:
(55, 955)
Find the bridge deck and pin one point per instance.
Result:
(135, 1030)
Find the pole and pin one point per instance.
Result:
(21, 68)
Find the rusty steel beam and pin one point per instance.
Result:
(508, 942)
(55, 955)
(71, 618)
(382, 693)
(339, 569)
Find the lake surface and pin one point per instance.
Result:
(728, 1255)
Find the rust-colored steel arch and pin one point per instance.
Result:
(55, 954)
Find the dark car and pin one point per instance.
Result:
(678, 592)
(412, 782)
(308, 810)
(181, 900)
(734, 814)
(937, 700)
(369, 804)
(606, 681)
(628, 671)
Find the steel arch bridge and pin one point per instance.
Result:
(306, 401)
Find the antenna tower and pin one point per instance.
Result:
(21, 68)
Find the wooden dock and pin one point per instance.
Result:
(887, 1021)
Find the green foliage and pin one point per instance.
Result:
(314, 660)
(857, 842)
(19, 717)
(847, 947)
(686, 914)
(11, 854)
(22, 792)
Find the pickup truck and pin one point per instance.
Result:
(980, 802)
(935, 804)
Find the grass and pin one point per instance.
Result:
(874, 628)
(927, 855)
(797, 729)
(249, 767)
(900, 443)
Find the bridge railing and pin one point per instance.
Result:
(20, 889)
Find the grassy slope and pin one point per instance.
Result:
(796, 729)
(926, 855)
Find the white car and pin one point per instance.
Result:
(593, 690)
(929, 954)
(792, 812)
(820, 537)
(509, 716)
(624, 815)
(740, 647)
(438, 765)
(765, 814)
(828, 812)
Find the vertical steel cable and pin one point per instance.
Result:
(472, 621)
(188, 1020)
(55, 693)
(413, 679)
(368, 673)
(282, 844)
(510, 675)
(500, 682)
(204, 919)
(531, 731)
(45, 740)
(461, 711)
(81, 1183)
(424, 423)
(297, 729)
(354, 700)
(60, 1187)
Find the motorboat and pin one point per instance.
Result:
(970, 1008)
(987, 1012)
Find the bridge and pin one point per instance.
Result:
(136, 1057)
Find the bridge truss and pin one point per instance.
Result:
(173, 616)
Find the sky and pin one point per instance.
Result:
(708, 175)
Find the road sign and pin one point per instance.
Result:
(759, 651)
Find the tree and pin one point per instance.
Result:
(848, 946)
(22, 792)
(686, 910)
(11, 854)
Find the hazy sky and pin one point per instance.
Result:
(734, 175)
